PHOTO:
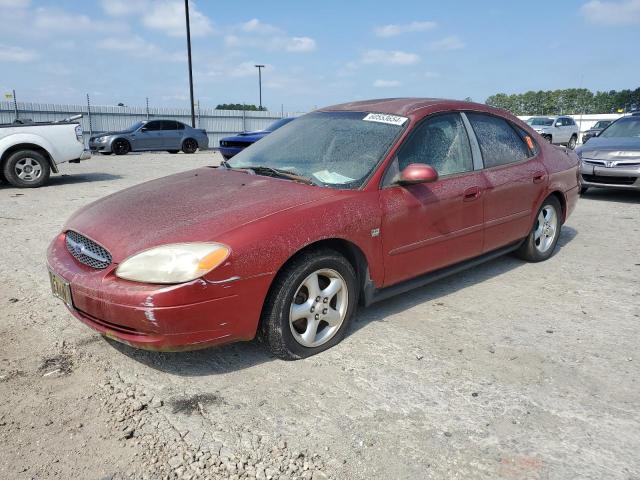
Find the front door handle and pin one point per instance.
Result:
(471, 193)
(538, 177)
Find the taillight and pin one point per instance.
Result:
(79, 136)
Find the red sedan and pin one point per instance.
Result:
(346, 205)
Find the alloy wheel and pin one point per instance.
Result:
(28, 169)
(319, 308)
(546, 228)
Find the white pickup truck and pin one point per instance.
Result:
(29, 152)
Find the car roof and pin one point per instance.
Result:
(406, 106)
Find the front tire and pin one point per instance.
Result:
(26, 169)
(310, 306)
(541, 241)
(120, 146)
(189, 146)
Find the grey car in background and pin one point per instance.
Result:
(595, 130)
(612, 159)
(168, 135)
(558, 130)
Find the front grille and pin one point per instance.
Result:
(610, 180)
(235, 144)
(87, 251)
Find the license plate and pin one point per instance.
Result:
(60, 288)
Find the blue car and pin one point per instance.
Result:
(229, 146)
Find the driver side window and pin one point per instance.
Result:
(441, 142)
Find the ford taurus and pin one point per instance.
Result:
(343, 206)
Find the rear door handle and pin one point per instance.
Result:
(538, 177)
(471, 194)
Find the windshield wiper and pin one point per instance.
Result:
(277, 172)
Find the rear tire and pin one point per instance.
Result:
(189, 146)
(541, 241)
(572, 142)
(320, 282)
(120, 146)
(26, 169)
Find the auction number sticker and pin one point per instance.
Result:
(384, 118)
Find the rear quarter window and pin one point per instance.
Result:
(500, 144)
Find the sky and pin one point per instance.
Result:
(316, 52)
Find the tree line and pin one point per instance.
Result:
(567, 101)
(240, 106)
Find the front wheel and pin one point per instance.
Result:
(189, 146)
(26, 169)
(121, 147)
(310, 305)
(572, 143)
(541, 241)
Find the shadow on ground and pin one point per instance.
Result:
(612, 195)
(238, 356)
(64, 179)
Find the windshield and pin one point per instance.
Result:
(134, 127)
(540, 122)
(602, 124)
(277, 124)
(625, 127)
(335, 149)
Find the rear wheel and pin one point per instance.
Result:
(26, 169)
(572, 142)
(189, 146)
(310, 305)
(541, 241)
(121, 146)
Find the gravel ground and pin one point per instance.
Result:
(509, 370)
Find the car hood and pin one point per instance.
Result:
(599, 147)
(107, 134)
(198, 205)
(247, 136)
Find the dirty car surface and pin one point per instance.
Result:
(345, 206)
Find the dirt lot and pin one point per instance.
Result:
(510, 370)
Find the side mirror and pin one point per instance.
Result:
(417, 173)
(143, 129)
(558, 124)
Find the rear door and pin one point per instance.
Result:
(432, 225)
(171, 135)
(515, 177)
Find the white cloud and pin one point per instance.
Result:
(51, 20)
(256, 34)
(117, 8)
(386, 83)
(15, 4)
(389, 57)
(452, 42)
(625, 12)
(168, 17)
(9, 53)
(133, 45)
(394, 30)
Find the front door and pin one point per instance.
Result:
(149, 137)
(514, 175)
(432, 225)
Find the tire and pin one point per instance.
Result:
(290, 296)
(548, 137)
(572, 143)
(189, 145)
(173, 151)
(26, 169)
(120, 146)
(583, 190)
(541, 241)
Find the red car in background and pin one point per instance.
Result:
(346, 205)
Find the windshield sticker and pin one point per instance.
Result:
(384, 118)
(325, 176)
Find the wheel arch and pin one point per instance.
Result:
(28, 146)
(563, 202)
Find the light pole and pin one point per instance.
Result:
(260, 67)
(193, 113)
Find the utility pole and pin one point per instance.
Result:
(193, 113)
(260, 67)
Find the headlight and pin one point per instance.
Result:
(79, 132)
(173, 263)
(101, 139)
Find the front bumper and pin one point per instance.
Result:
(228, 152)
(99, 147)
(187, 316)
(621, 176)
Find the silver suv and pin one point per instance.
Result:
(559, 130)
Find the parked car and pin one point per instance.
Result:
(612, 159)
(229, 146)
(166, 135)
(558, 130)
(30, 151)
(596, 129)
(348, 204)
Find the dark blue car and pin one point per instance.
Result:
(229, 146)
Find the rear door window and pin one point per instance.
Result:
(169, 125)
(500, 144)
